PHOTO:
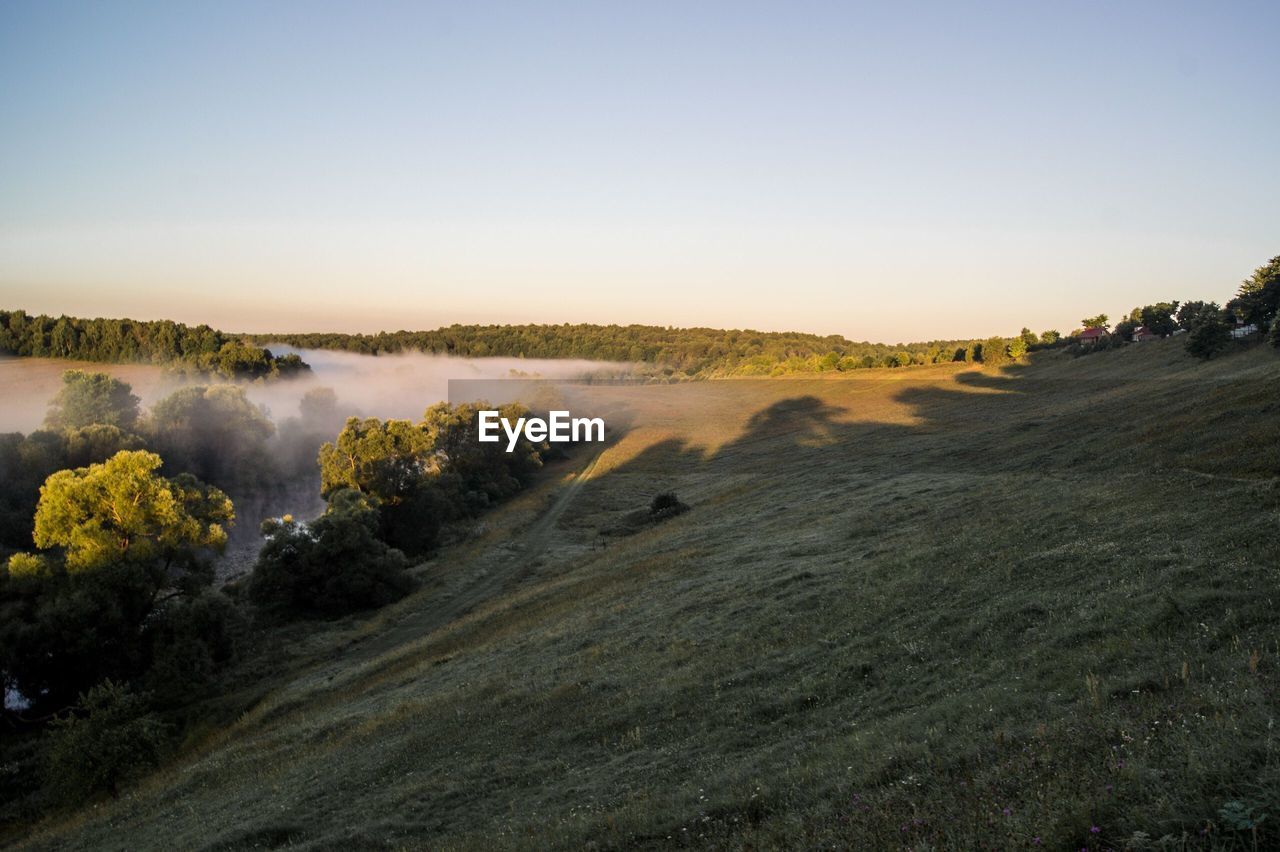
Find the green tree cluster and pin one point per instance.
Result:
(1258, 300)
(87, 399)
(674, 352)
(120, 547)
(421, 475)
(125, 341)
(215, 433)
(331, 566)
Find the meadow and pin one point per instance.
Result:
(935, 607)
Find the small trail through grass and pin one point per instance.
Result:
(485, 583)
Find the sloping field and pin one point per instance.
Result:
(909, 608)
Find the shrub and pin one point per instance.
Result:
(666, 505)
(331, 566)
(110, 741)
(191, 638)
(1208, 338)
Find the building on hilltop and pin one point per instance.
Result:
(1092, 335)
(1243, 330)
(1142, 334)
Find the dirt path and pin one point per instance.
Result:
(536, 538)
(489, 578)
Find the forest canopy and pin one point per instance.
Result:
(687, 352)
(119, 341)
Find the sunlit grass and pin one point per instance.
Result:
(926, 608)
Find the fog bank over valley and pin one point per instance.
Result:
(386, 386)
(393, 386)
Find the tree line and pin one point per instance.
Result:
(199, 349)
(1208, 326)
(673, 353)
(677, 352)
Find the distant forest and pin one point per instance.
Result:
(691, 352)
(675, 353)
(122, 341)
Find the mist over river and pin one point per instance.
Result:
(387, 386)
(399, 386)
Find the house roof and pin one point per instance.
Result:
(1092, 333)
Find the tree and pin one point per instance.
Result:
(330, 566)
(394, 464)
(380, 459)
(26, 462)
(1258, 299)
(318, 409)
(1210, 336)
(474, 475)
(1275, 333)
(123, 511)
(87, 399)
(1158, 318)
(1050, 337)
(1192, 314)
(1101, 321)
(111, 739)
(214, 433)
(995, 351)
(1018, 348)
(116, 536)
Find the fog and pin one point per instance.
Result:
(398, 386)
(386, 386)
(401, 386)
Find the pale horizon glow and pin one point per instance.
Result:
(896, 173)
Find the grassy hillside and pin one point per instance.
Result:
(908, 608)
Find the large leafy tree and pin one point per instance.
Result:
(1258, 299)
(123, 547)
(1158, 318)
(1101, 321)
(123, 511)
(26, 462)
(215, 433)
(384, 459)
(474, 473)
(393, 464)
(92, 398)
(1192, 314)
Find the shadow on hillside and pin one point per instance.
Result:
(954, 427)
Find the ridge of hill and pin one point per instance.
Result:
(945, 607)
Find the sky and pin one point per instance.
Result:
(890, 172)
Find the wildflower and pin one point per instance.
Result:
(1007, 812)
(1093, 829)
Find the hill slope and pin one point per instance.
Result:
(908, 607)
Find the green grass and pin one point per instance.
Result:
(927, 608)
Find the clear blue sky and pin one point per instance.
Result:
(891, 171)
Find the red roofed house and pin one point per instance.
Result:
(1092, 335)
